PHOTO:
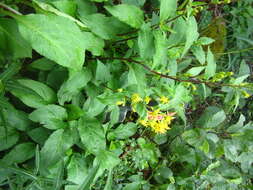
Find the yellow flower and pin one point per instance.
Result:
(161, 127)
(120, 103)
(147, 99)
(164, 100)
(120, 90)
(245, 94)
(136, 98)
(143, 122)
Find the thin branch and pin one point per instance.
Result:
(9, 9)
(193, 81)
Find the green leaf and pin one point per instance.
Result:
(124, 131)
(99, 1)
(137, 76)
(92, 134)
(54, 37)
(9, 72)
(211, 65)
(77, 169)
(146, 42)
(93, 43)
(85, 8)
(100, 25)
(160, 57)
(102, 72)
(133, 186)
(109, 181)
(191, 34)
(47, 8)
(8, 137)
(212, 117)
(55, 147)
(180, 32)
(89, 179)
(74, 112)
(128, 14)
(246, 160)
(108, 160)
(32, 93)
(195, 70)
(76, 82)
(244, 69)
(199, 53)
(17, 119)
(167, 9)
(42, 64)
(67, 6)
(15, 44)
(50, 116)
(205, 147)
(195, 137)
(39, 135)
(205, 41)
(19, 154)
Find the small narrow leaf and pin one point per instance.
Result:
(211, 65)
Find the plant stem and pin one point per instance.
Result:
(9, 9)
(193, 81)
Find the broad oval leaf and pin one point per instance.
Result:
(54, 37)
(92, 134)
(19, 153)
(167, 9)
(32, 93)
(51, 116)
(8, 137)
(124, 131)
(55, 147)
(128, 14)
(76, 82)
(15, 45)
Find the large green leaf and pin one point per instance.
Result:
(167, 9)
(211, 64)
(77, 169)
(191, 33)
(76, 82)
(55, 147)
(32, 93)
(93, 43)
(8, 137)
(146, 42)
(67, 6)
(92, 134)
(124, 131)
(128, 14)
(15, 44)
(17, 119)
(100, 25)
(160, 57)
(51, 116)
(211, 118)
(54, 37)
(19, 153)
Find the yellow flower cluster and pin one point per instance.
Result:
(158, 121)
(136, 98)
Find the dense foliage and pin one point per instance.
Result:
(126, 94)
